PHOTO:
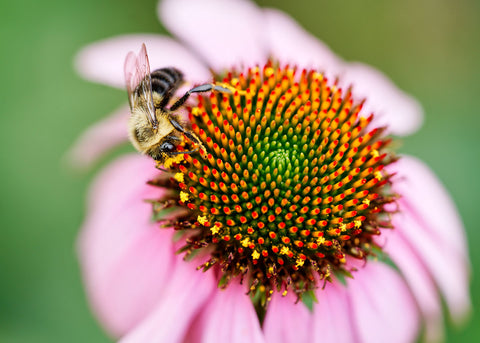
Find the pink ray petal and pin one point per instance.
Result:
(228, 317)
(419, 282)
(382, 305)
(290, 43)
(422, 191)
(392, 107)
(186, 294)
(332, 319)
(126, 260)
(286, 321)
(430, 224)
(119, 187)
(449, 271)
(98, 139)
(223, 33)
(103, 61)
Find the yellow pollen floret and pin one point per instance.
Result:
(284, 251)
(269, 72)
(375, 153)
(378, 175)
(317, 76)
(179, 177)
(215, 229)
(255, 255)
(343, 227)
(284, 293)
(357, 223)
(202, 219)
(183, 196)
(171, 160)
(320, 240)
(366, 202)
(196, 111)
(328, 273)
(246, 242)
(299, 262)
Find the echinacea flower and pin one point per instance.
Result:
(307, 227)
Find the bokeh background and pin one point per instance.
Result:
(430, 48)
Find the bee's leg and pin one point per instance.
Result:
(165, 99)
(160, 168)
(187, 133)
(200, 89)
(184, 152)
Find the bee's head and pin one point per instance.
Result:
(166, 148)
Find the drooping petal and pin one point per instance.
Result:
(429, 223)
(287, 321)
(228, 317)
(186, 294)
(98, 139)
(332, 318)
(103, 61)
(392, 107)
(288, 42)
(382, 305)
(449, 270)
(126, 259)
(419, 281)
(223, 33)
(422, 191)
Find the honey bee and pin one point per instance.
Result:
(154, 129)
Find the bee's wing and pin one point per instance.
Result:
(137, 73)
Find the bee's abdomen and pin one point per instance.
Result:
(166, 80)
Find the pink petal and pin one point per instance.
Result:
(290, 43)
(332, 318)
(103, 61)
(98, 139)
(449, 271)
(430, 224)
(419, 282)
(126, 260)
(223, 33)
(286, 321)
(424, 193)
(382, 306)
(228, 317)
(187, 292)
(391, 106)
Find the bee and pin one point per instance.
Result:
(154, 128)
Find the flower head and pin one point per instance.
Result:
(290, 183)
(295, 185)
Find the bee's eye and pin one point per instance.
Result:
(167, 147)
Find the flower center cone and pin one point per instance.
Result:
(290, 181)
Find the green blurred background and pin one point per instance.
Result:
(430, 48)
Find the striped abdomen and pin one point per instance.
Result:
(165, 81)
